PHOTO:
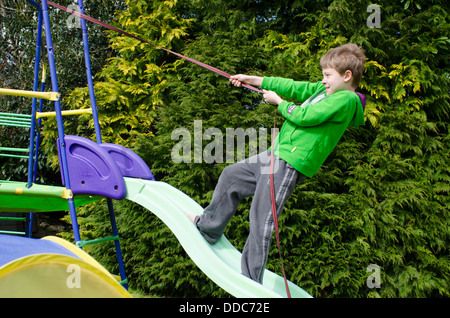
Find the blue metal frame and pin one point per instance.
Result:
(45, 20)
(35, 88)
(32, 166)
(59, 119)
(87, 59)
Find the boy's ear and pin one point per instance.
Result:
(348, 75)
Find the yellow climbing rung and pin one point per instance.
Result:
(65, 113)
(53, 96)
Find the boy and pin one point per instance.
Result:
(309, 134)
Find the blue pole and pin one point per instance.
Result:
(32, 166)
(99, 138)
(87, 60)
(35, 88)
(59, 119)
(36, 79)
(38, 135)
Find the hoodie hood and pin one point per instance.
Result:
(362, 99)
(358, 118)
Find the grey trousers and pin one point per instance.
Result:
(240, 180)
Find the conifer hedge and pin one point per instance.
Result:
(381, 200)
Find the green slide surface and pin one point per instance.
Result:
(221, 262)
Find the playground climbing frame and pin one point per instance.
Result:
(89, 169)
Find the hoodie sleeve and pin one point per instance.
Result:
(338, 107)
(290, 89)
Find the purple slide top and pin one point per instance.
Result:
(92, 170)
(129, 163)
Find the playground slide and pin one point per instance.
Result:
(221, 261)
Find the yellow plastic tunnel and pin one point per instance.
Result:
(54, 268)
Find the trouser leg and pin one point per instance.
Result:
(240, 180)
(236, 182)
(257, 246)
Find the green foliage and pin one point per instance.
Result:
(380, 198)
(18, 22)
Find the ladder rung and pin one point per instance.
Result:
(65, 113)
(53, 96)
(12, 124)
(16, 115)
(119, 279)
(122, 282)
(15, 120)
(12, 232)
(15, 125)
(14, 149)
(13, 156)
(12, 218)
(83, 243)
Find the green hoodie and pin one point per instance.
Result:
(312, 130)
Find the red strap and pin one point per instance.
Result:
(274, 206)
(208, 67)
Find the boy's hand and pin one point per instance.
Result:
(272, 97)
(269, 96)
(238, 79)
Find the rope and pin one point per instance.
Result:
(274, 206)
(206, 66)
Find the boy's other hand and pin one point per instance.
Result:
(272, 97)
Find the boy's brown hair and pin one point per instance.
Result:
(346, 57)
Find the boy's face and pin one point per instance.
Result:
(335, 82)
